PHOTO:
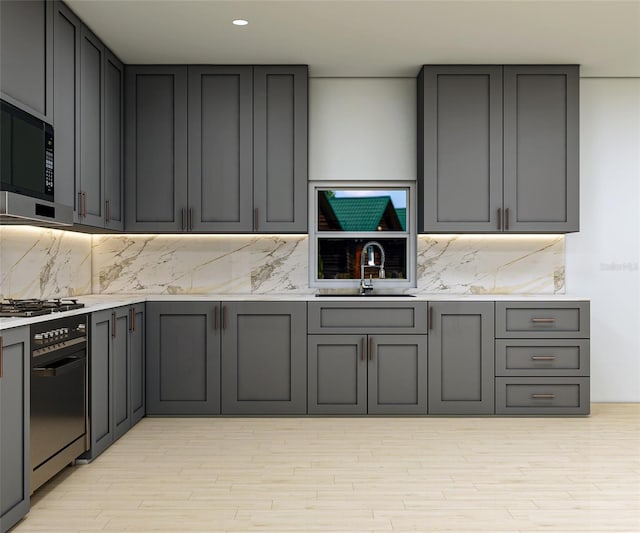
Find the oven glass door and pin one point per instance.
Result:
(58, 404)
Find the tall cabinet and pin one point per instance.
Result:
(15, 376)
(216, 149)
(498, 148)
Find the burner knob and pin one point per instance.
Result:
(38, 337)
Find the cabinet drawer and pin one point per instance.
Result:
(562, 396)
(542, 319)
(367, 317)
(532, 357)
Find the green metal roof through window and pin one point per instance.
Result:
(365, 214)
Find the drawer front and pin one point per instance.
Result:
(542, 319)
(531, 357)
(561, 396)
(367, 317)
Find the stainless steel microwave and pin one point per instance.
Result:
(27, 174)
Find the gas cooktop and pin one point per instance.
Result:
(34, 307)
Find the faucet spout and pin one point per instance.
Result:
(368, 257)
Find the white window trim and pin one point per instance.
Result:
(410, 234)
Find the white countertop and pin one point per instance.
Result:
(99, 302)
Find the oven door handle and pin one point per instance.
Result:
(67, 365)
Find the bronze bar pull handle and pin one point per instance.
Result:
(361, 348)
(215, 318)
(499, 218)
(506, 219)
(1, 358)
(543, 357)
(543, 396)
(182, 216)
(80, 203)
(107, 218)
(370, 348)
(431, 317)
(133, 314)
(130, 319)
(113, 324)
(224, 317)
(191, 219)
(84, 204)
(543, 320)
(255, 219)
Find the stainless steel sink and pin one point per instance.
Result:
(351, 295)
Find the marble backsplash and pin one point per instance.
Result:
(46, 263)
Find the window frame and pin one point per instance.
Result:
(410, 234)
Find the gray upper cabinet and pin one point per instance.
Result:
(264, 358)
(66, 101)
(156, 148)
(541, 176)
(220, 149)
(461, 358)
(183, 358)
(216, 149)
(280, 148)
(26, 55)
(91, 177)
(15, 376)
(113, 142)
(498, 148)
(460, 148)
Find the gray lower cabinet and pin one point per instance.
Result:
(15, 376)
(26, 55)
(137, 360)
(116, 375)
(542, 357)
(360, 374)
(461, 358)
(264, 357)
(498, 148)
(183, 358)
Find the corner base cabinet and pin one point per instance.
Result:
(15, 376)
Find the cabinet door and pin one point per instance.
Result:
(280, 149)
(220, 149)
(121, 372)
(541, 148)
(137, 360)
(91, 185)
(113, 141)
(156, 148)
(66, 99)
(397, 374)
(461, 360)
(101, 379)
(183, 358)
(337, 374)
(264, 358)
(15, 376)
(26, 55)
(459, 148)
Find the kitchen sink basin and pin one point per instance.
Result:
(351, 295)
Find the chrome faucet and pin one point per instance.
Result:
(368, 252)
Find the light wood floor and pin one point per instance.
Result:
(357, 474)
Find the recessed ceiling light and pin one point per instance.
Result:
(241, 22)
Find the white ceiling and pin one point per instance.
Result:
(371, 38)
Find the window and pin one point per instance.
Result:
(361, 230)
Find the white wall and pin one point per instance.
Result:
(362, 129)
(602, 260)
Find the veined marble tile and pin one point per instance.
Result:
(491, 264)
(43, 263)
(199, 264)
